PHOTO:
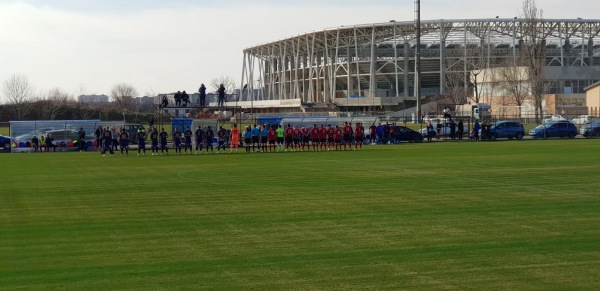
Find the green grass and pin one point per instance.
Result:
(504, 215)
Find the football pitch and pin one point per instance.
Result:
(488, 215)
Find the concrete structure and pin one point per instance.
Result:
(592, 99)
(371, 67)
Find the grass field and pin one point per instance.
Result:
(503, 215)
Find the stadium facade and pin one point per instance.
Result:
(372, 67)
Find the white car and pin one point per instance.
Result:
(553, 117)
(583, 119)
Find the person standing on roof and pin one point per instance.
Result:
(221, 92)
(202, 91)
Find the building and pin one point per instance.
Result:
(94, 99)
(371, 67)
(592, 99)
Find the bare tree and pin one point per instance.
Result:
(227, 81)
(532, 49)
(19, 92)
(55, 102)
(122, 95)
(513, 81)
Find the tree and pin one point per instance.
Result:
(227, 81)
(19, 92)
(122, 95)
(55, 103)
(513, 81)
(532, 49)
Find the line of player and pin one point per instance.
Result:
(256, 139)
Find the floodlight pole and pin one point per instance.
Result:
(418, 58)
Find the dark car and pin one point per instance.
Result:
(507, 129)
(591, 129)
(555, 128)
(4, 142)
(406, 134)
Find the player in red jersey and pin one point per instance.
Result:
(272, 137)
(296, 138)
(288, 136)
(347, 134)
(304, 131)
(358, 136)
(314, 136)
(330, 132)
(322, 137)
(337, 138)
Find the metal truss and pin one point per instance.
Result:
(374, 60)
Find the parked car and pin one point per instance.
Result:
(5, 142)
(445, 130)
(591, 129)
(583, 119)
(555, 128)
(432, 118)
(406, 134)
(507, 129)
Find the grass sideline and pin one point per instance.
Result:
(503, 215)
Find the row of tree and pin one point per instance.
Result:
(21, 101)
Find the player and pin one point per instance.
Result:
(272, 139)
(305, 138)
(314, 136)
(124, 142)
(221, 137)
(154, 141)
(209, 137)
(337, 138)
(248, 138)
(255, 138)
(322, 137)
(264, 137)
(330, 132)
(358, 136)
(280, 137)
(141, 135)
(107, 136)
(177, 141)
(235, 138)
(187, 134)
(163, 135)
(289, 132)
(347, 135)
(296, 138)
(199, 139)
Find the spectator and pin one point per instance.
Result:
(50, 143)
(221, 92)
(476, 128)
(452, 129)
(202, 91)
(185, 97)
(178, 99)
(35, 143)
(430, 131)
(460, 130)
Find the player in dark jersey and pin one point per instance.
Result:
(163, 141)
(272, 138)
(221, 138)
(177, 141)
(141, 135)
(248, 138)
(154, 141)
(124, 141)
(373, 134)
(199, 139)
(107, 137)
(209, 137)
(187, 134)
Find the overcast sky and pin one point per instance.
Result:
(87, 46)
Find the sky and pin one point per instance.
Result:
(160, 46)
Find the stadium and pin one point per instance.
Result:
(371, 67)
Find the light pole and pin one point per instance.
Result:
(418, 58)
